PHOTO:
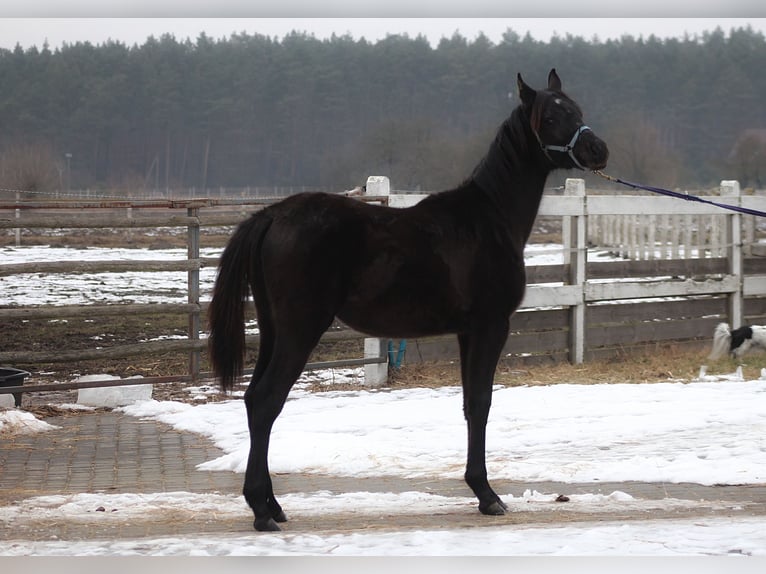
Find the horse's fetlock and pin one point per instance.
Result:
(476, 479)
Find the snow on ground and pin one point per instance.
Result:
(694, 537)
(131, 507)
(708, 431)
(98, 288)
(13, 422)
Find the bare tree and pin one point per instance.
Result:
(748, 158)
(637, 152)
(31, 168)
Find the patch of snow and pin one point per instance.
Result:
(13, 422)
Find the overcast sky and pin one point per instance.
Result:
(35, 31)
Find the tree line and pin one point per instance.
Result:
(253, 110)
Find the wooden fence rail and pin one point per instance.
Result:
(76, 214)
(574, 310)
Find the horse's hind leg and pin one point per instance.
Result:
(264, 400)
(252, 398)
(479, 353)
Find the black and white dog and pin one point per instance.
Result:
(737, 342)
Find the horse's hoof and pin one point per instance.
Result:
(266, 525)
(496, 508)
(280, 516)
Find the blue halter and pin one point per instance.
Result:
(567, 149)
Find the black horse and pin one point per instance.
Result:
(453, 263)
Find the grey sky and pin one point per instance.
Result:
(35, 31)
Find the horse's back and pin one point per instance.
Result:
(386, 271)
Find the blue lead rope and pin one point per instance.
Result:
(685, 196)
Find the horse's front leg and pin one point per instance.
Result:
(479, 353)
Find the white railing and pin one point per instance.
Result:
(575, 207)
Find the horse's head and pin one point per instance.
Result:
(556, 120)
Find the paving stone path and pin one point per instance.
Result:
(109, 452)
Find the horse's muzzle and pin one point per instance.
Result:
(591, 151)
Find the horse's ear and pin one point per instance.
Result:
(526, 93)
(554, 82)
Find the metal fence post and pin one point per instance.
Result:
(193, 291)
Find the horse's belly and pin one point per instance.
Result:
(402, 320)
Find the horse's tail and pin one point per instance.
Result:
(721, 342)
(226, 313)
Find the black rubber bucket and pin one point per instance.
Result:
(13, 378)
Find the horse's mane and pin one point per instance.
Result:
(506, 152)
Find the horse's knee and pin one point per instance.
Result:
(476, 413)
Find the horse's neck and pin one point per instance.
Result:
(513, 178)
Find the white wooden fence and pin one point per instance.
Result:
(673, 241)
(641, 236)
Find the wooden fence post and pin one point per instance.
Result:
(17, 231)
(576, 254)
(193, 291)
(730, 189)
(376, 374)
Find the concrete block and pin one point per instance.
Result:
(375, 374)
(378, 185)
(112, 397)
